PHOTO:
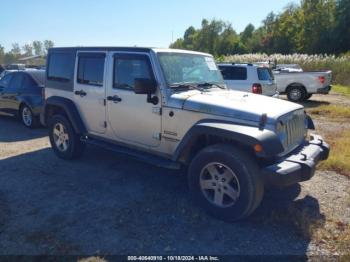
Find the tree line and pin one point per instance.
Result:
(39, 48)
(310, 27)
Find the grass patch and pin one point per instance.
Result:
(344, 90)
(339, 158)
(332, 111)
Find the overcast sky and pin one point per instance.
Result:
(121, 22)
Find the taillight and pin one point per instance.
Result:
(256, 89)
(322, 79)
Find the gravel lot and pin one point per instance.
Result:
(105, 203)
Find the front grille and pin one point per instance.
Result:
(295, 129)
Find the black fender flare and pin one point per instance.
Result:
(248, 136)
(69, 109)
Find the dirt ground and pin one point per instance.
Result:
(105, 203)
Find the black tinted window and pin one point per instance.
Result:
(265, 74)
(28, 81)
(129, 67)
(4, 82)
(234, 72)
(90, 69)
(60, 67)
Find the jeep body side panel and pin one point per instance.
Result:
(68, 108)
(243, 135)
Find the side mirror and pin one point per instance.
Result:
(147, 87)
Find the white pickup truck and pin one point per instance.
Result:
(299, 86)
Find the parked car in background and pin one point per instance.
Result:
(249, 78)
(21, 95)
(16, 67)
(300, 86)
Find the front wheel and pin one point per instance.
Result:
(225, 181)
(64, 141)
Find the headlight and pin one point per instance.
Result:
(281, 132)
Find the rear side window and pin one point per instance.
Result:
(265, 74)
(129, 67)
(60, 67)
(28, 81)
(91, 69)
(234, 72)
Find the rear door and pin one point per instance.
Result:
(236, 77)
(4, 83)
(267, 81)
(89, 90)
(10, 93)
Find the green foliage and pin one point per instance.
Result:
(29, 49)
(312, 27)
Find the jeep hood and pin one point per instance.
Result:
(235, 104)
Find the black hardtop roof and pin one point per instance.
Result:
(101, 48)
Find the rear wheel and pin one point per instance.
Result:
(27, 117)
(225, 181)
(296, 93)
(64, 141)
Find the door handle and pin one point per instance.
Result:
(115, 99)
(80, 93)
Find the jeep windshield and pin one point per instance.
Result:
(183, 70)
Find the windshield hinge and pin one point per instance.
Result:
(104, 102)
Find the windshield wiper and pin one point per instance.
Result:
(183, 85)
(209, 84)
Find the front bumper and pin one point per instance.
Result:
(299, 165)
(324, 90)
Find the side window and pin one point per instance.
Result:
(16, 82)
(28, 81)
(234, 72)
(60, 67)
(225, 71)
(91, 69)
(5, 81)
(129, 67)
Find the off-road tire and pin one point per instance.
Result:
(246, 171)
(75, 147)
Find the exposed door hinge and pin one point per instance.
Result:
(157, 136)
(157, 110)
(104, 102)
(105, 124)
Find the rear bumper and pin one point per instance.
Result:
(324, 90)
(298, 166)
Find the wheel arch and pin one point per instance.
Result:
(206, 133)
(295, 84)
(60, 105)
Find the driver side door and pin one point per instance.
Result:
(132, 119)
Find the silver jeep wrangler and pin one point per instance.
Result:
(171, 108)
